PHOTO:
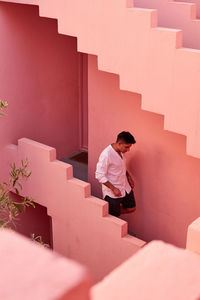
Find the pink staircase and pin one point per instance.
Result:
(82, 228)
(197, 2)
(179, 15)
(149, 59)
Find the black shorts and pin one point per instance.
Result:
(128, 201)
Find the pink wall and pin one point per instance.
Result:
(81, 225)
(159, 271)
(137, 49)
(197, 2)
(39, 79)
(193, 237)
(33, 272)
(165, 271)
(167, 180)
(83, 105)
(176, 15)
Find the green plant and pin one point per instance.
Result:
(38, 239)
(3, 106)
(10, 209)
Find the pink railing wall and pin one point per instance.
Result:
(159, 271)
(165, 271)
(82, 228)
(30, 271)
(166, 179)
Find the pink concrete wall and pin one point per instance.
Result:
(166, 272)
(159, 271)
(83, 104)
(30, 271)
(176, 15)
(193, 237)
(167, 181)
(197, 2)
(82, 228)
(39, 79)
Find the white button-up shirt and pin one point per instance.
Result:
(111, 167)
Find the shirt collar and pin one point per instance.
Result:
(116, 152)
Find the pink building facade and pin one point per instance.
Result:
(77, 73)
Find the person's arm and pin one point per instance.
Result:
(130, 180)
(115, 190)
(101, 171)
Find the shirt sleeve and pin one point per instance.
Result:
(101, 170)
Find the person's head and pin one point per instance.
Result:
(124, 141)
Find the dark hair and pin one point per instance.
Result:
(126, 137)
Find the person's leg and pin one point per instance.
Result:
(128, 203)
(127, 210)
(114, 206)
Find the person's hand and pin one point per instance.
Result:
(116, 192)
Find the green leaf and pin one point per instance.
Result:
(9, 209)
(19, 184)
(16, 190)
(18, 207)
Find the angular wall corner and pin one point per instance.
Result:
(193, 237)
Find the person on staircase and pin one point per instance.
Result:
(111, 172)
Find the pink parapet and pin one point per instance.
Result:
(29, 271)
(158, 271)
